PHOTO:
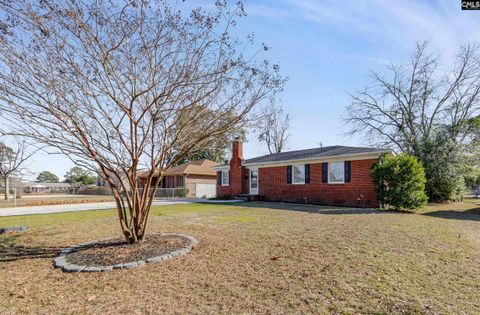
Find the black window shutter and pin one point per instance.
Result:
(307, 173)
(289, 174)
(325, 172)
(229, 178)
(219, 177)
(348, 167)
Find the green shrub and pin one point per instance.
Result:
(400, 182)
(445, 167)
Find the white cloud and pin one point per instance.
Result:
(389, 24)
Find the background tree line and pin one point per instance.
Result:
(430, 110)
(77, 176)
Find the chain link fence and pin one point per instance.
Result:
(180, 192)
(18, 197)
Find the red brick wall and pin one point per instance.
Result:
(246, 180)
(226, 191)
(358, 193)
(236, 186)
(223, 191)
(236, 168)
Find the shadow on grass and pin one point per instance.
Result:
(329, 210)
(10, 251)
(467, 215)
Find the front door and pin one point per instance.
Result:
(254, 182)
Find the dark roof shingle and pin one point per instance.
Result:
(313, 154)
(200, 167)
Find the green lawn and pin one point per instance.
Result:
(326, 261)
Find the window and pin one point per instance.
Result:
(180, 181)
(225, 178)
(298, 175)
(336, 173)
(253, 179)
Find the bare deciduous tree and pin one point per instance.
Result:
(12, 161)
(406, 108)
(425, 109)
(273, 128)
(120, 86)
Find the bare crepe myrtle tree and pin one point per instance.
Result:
(13, 158)
(273, 124)
(120, 86)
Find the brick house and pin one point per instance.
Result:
(198, 176)
(334, 175)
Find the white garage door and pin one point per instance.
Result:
(205, 191)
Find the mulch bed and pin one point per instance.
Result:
(117, 251)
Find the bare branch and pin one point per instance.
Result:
(13, 157)
(417, 99)
(126, 85)
(273, 125)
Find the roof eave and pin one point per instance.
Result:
(359, 156)
(221, 167)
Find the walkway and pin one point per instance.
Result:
(5, 212)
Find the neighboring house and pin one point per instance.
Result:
(14, 182)
(198, 176)
(334, 175)
(101, 182)
(45, 188)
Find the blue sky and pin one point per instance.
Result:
(327, 48)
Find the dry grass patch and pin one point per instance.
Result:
(48, 201)
(256, 258)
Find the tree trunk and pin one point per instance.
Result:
(135, 234)
(7, 188)
(133, 227)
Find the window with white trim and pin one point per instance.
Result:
(225, 178)
(298, 174)
(336, 172)
(253, 178)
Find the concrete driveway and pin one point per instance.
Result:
(5, 212)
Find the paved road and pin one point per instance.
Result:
(5, 212)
